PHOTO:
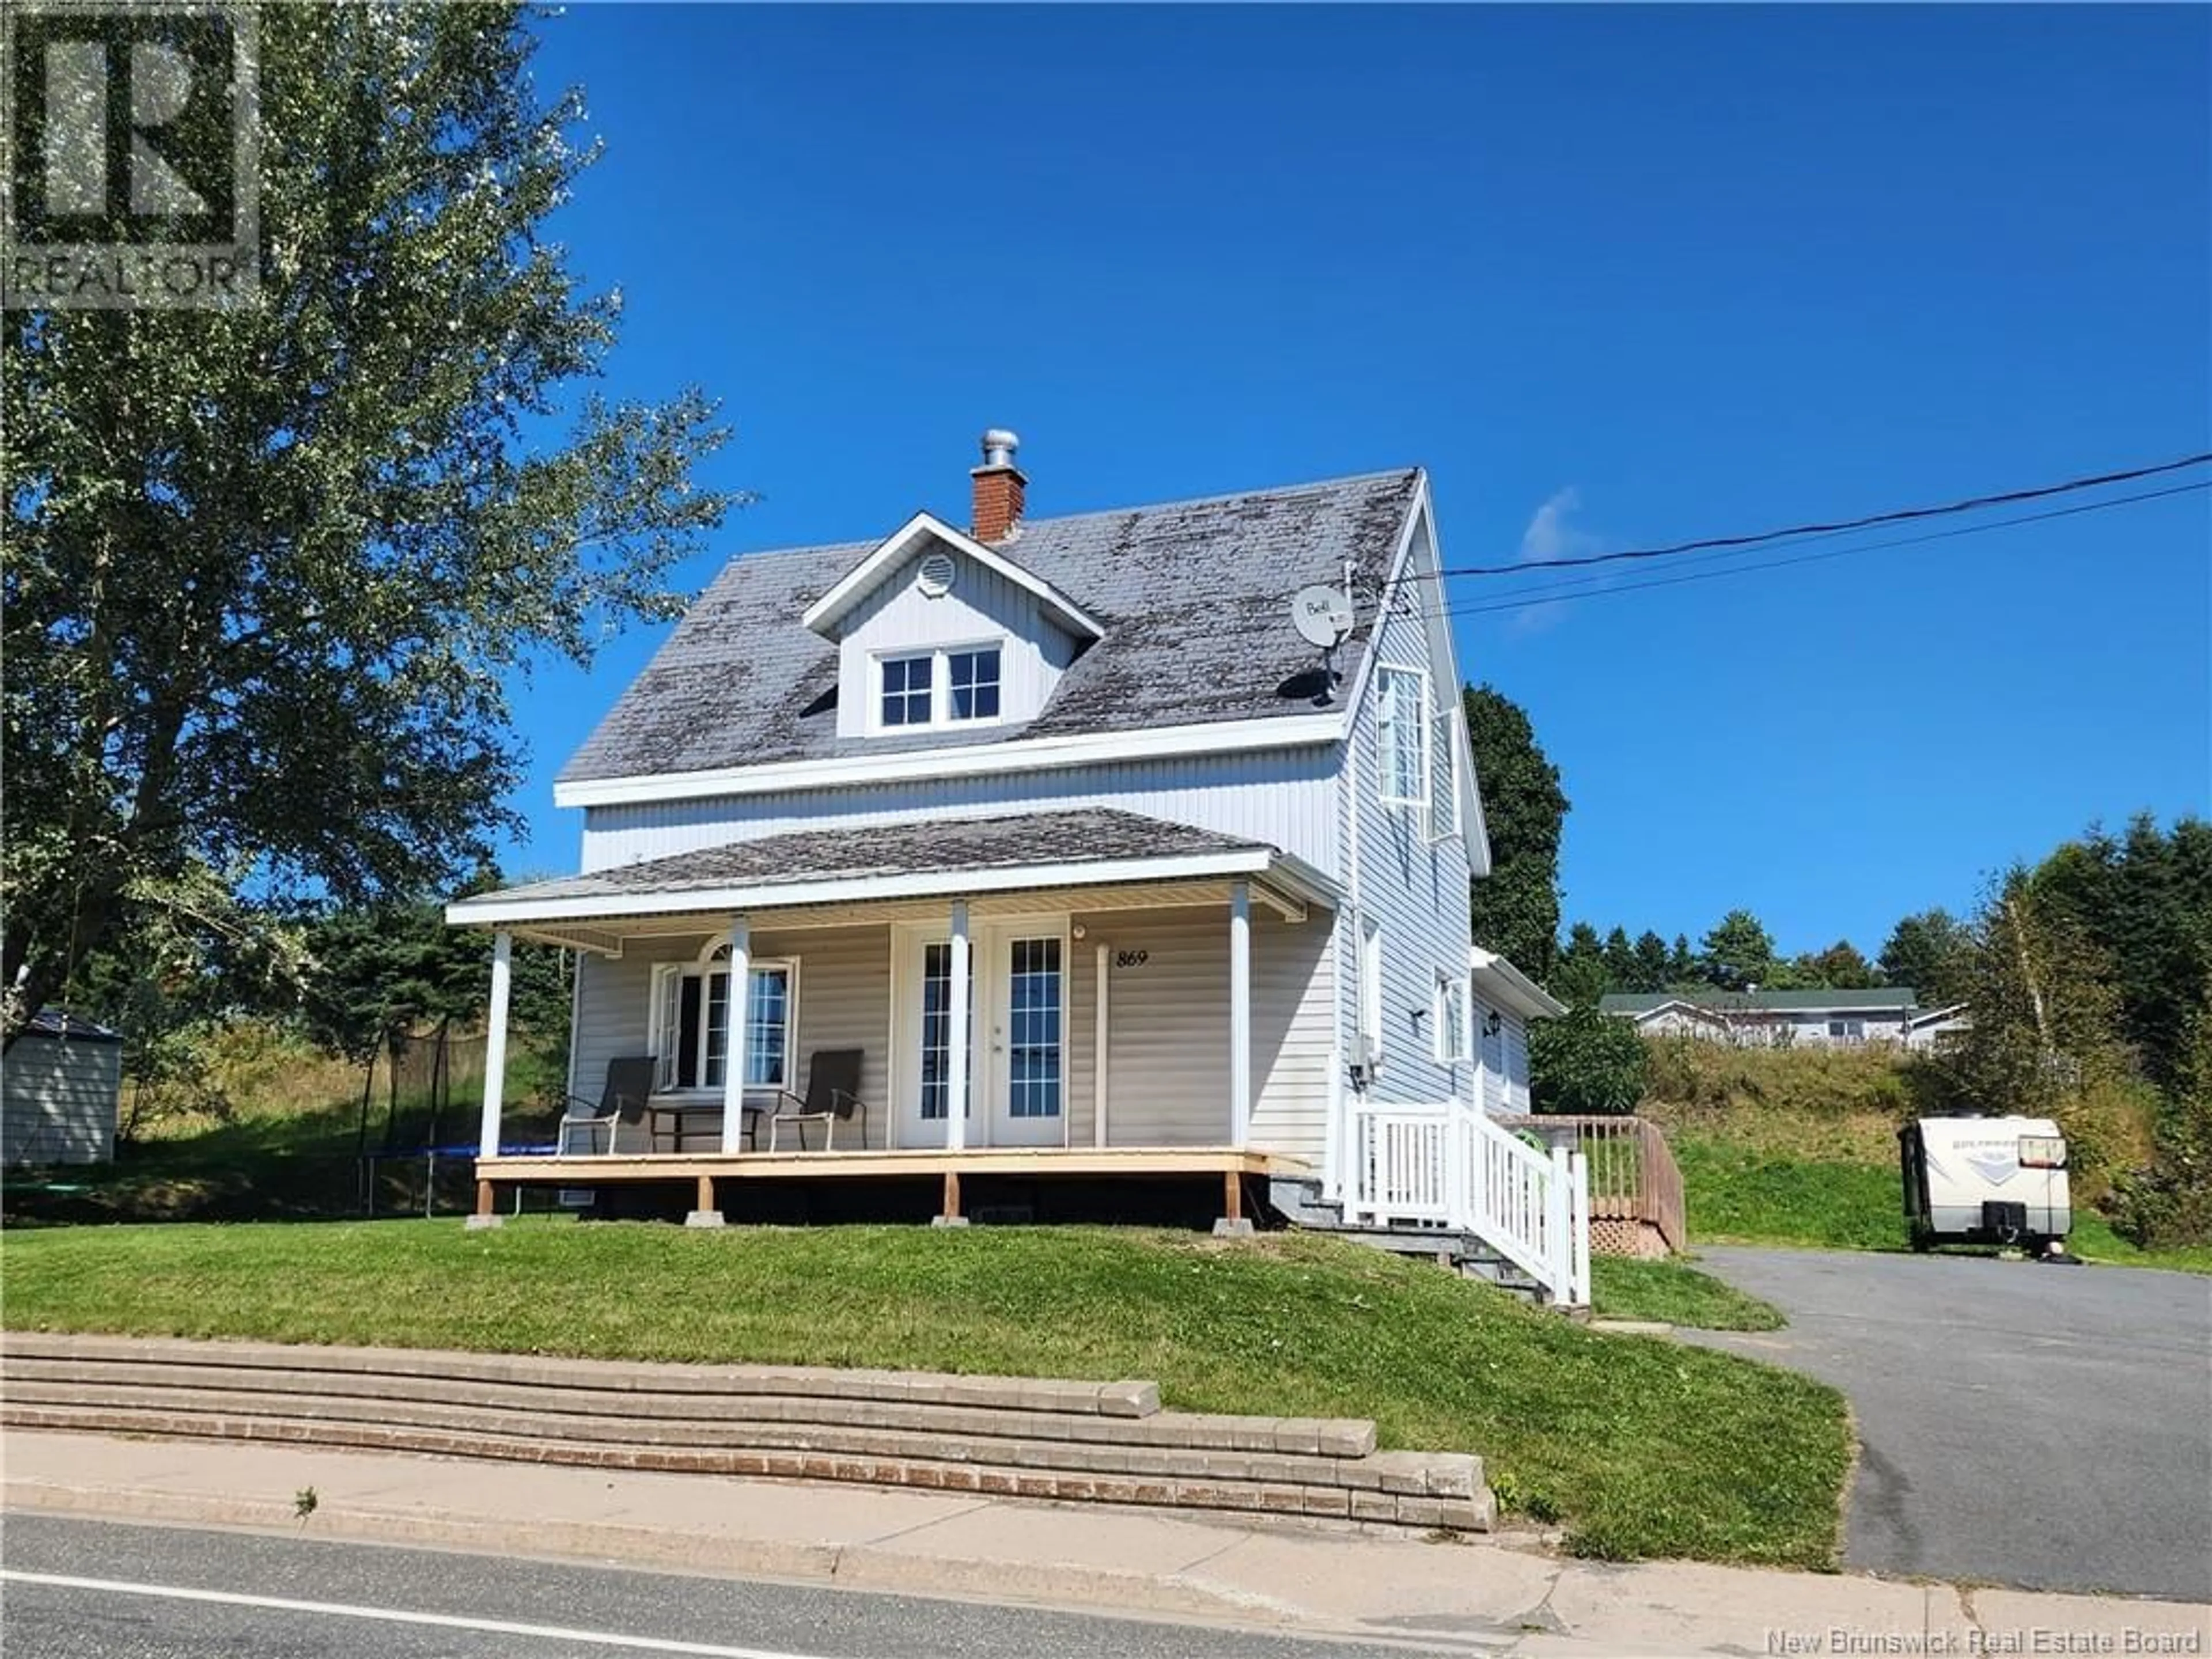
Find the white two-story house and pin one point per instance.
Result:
(1075, 787)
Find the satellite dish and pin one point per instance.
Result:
(1322, 615)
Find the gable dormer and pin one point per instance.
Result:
(941, 632)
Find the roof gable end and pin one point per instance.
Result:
(827, 615)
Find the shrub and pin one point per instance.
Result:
(1585, 1062)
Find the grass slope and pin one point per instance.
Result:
(1743, 1191)
(1641, 1447)
(1677, 1294)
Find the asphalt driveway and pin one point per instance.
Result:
(2047, 1427)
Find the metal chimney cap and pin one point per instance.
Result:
(999, 446)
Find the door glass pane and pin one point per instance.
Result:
(936, 1029)
(1033, 1057)
(768, 1028)
(718, 1030)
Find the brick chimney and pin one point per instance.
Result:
(998, 489)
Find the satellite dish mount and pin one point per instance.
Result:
(1323, 617)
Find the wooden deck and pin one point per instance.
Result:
(702, 1170)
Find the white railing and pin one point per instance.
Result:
(1449, 1166)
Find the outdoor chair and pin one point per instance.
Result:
(833, 1092)
(620, 1108)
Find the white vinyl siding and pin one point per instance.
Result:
(1413, 888)
(1286, 798)
(982, 612)
(1168, 1030)
(58, 1100)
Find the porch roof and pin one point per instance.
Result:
(932, 858)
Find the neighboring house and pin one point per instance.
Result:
(59, 1087)
(1076, 784)
(1936, 1027)
(1816, 1019)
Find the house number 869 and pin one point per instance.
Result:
(1130, 959)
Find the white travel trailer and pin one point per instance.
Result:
(1984, 1181)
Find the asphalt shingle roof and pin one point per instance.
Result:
(899, 849)
(1194, 597)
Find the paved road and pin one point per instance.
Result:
(140, 1592)
(2046, 1427)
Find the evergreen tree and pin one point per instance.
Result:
(1653, 966)
(1926, 954)
(1516, 908)
(1682, 971)
(1619, 962)
(1579, 978)
(1739, 952)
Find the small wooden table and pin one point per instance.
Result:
(668, 1118)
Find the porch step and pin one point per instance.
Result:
(1107, 1442)
(1298, 1200)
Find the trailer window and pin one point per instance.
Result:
(2042, 1152)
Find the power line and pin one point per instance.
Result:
(1593, 587)
(1896, 516)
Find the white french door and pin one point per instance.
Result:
(1017, 1038)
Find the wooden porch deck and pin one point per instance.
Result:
(702, 1170)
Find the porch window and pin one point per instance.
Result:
(1452, 1018)
(690, 1026)
(1401, 735)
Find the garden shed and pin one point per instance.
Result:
(59, 1086)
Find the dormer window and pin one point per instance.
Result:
(973, 678)
(955, 685)
(908, 698)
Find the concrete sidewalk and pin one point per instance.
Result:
(1497, 1595)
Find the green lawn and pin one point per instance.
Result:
(1676, 1293)
(1744, 1193)
(1639, 1446)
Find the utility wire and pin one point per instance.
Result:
(1898, 516)
(1594, 587)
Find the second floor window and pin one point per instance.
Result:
(972, 677)
(949, 686)
(908, 696)
(1401, 735)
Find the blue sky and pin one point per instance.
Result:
(1615, 277)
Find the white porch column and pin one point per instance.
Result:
(494, 1083)
(955, 1042)
(1240, 1014)
(733, 1050)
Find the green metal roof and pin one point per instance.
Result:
(1778, 1002)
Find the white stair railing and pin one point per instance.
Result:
(1450, 1166)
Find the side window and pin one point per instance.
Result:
(1401, 735)
(1370, 988)
(1451, 1018)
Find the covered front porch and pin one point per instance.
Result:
(1140, 1000)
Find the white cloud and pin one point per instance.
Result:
(1551, 535)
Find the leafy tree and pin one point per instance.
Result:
(2169, 1203)
(1926, 953)
(1653, 967)
(1739, 952)
(272, 570)
(1585, 1062)
(1516, 907)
